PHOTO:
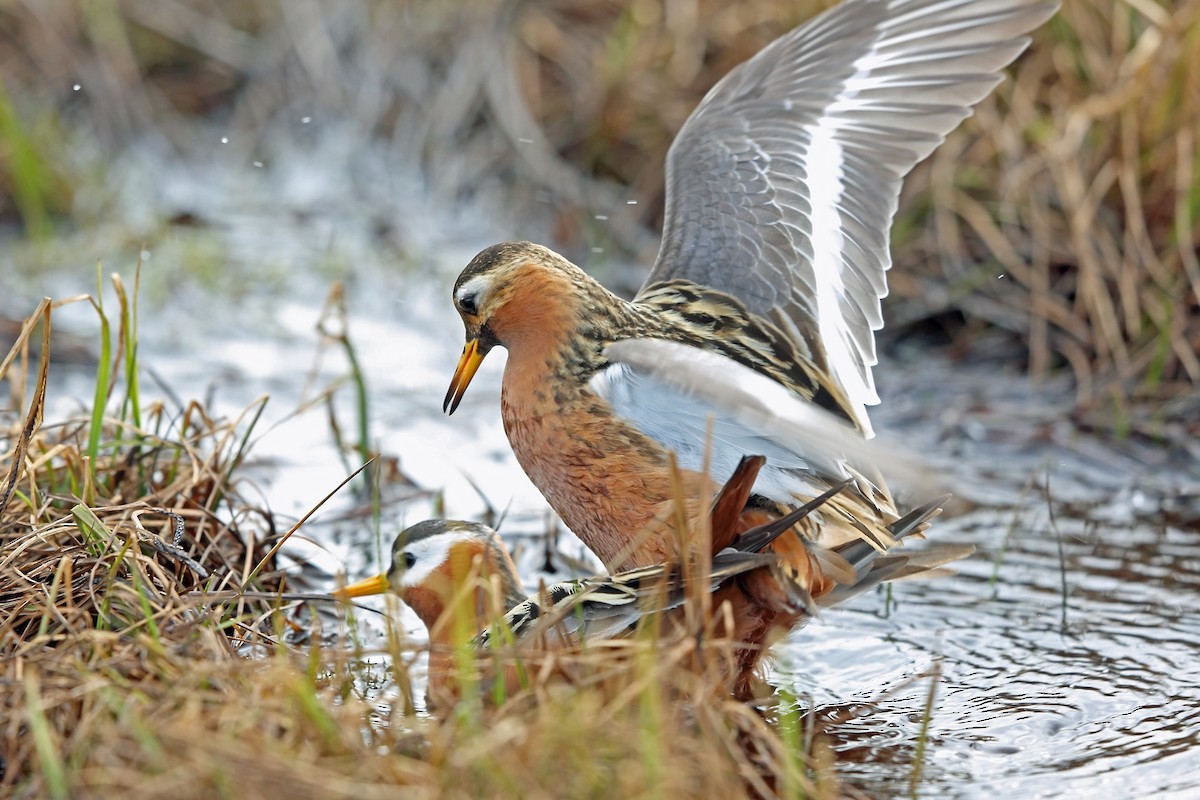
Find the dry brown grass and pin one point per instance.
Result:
(103, 540)
(1079, 185)
(195, 723)
(135, 665)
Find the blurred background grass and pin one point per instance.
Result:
(1063, 216)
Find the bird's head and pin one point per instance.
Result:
(433, 566)
(518, 295)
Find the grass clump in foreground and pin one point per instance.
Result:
(133, 663)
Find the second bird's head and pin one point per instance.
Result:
(433, 561)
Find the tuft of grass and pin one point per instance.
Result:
(1076, 182)
(91, 596)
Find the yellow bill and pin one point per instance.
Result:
(468, 365)
(364, 588)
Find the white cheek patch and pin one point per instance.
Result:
(431, 553)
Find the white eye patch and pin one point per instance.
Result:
(477, 288)
(430, 553)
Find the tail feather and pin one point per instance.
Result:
(927, 562)
(917, 520)
(871, 569)
(884, 569)
(728, 505)
(756, 539)
(834, 565)
(862, 554)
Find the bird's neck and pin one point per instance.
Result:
(561, 343)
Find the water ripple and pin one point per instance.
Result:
(1045, 691)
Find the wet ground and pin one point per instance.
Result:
(1068, 647)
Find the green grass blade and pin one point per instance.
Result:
(95, 533)
(131, 409)
(43, 740)
(103, 379)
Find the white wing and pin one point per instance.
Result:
(678, 394)
(782, 184)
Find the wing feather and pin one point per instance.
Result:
(677, 394)
(782, 185)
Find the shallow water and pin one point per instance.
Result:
(1069, 645)
(1039, 695)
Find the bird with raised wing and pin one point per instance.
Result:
(754, 332)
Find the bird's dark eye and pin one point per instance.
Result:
(409, 560)
(468, 304)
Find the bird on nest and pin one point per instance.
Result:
(754, 332)
(454, 574)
